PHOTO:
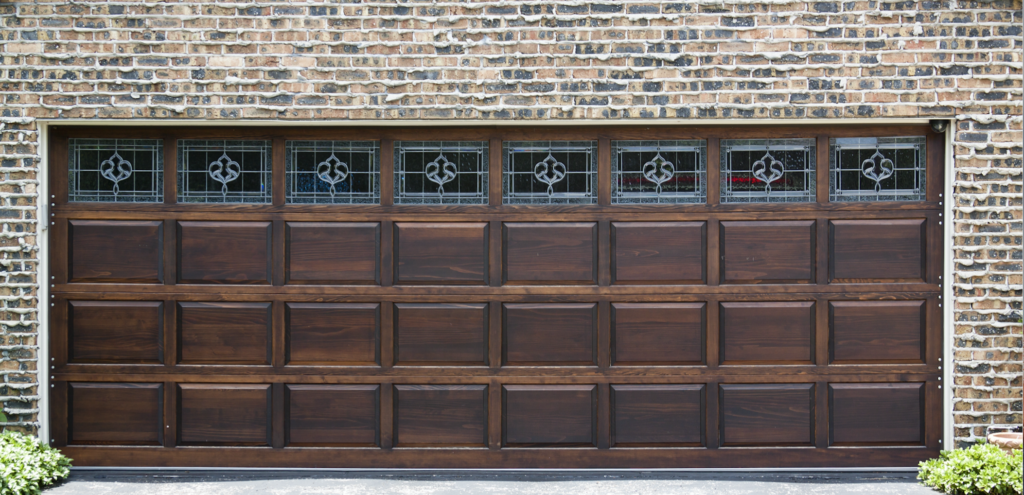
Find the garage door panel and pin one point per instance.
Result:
(332, 415)
(550, 253)
(766, 415)
(214, 414)
(332, 334)
(550, 334)
(877, 250)
(876, 413)
(440, 415)
(224, 333)
(657, 415)
(126, 332)
(550, 415)
(658, 333)
(768, 252)
(109, 251)
(333, 253)
(441, 334)
(224, 252)
(767, 332)
(115, 413)
(658, 252)
(441, 253)
(877, 331)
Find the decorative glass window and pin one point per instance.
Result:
(223, 171)
(549, 172)
(767, 170)
(658, 171)
(877, 169)
(333, 172)
(116, 170)
(441, 172)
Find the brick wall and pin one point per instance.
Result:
(539, 61)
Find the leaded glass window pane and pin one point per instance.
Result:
(333, 172)
(768, 170)
(658, 171)
(441, 172)
(877, 169)
(223, 171)
(550, 172)
(116, 170)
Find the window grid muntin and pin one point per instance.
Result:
(469, 158)
(897, 149)
(695, 171)
(797, 156)
(302, 166)
(85, 160)
(253, 184)
(519, 166)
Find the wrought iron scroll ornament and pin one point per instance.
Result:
(877, 168)
(659, 170)
(440, 172)
(332, 171)
(122, 167)
(224, 170)
(552, 166)
(768, 170)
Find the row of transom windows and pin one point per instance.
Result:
(533, 172)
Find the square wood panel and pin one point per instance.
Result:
(550, 253)
(224, 333)
(658, 333)
(441, 253)
(767, 332)
(215, 414)
(440, 415)
(115, 251)
(772, 252)
(332, 415)
(876, 413)
(116, 332)
(333, 253)
(658, 252)
(550, 415)
(766, 415)
(224, 252)
(550, 334)
(877, 331)
(332, 334)
(115, 413)
(877, 250)
(441, 334)
(657, 415)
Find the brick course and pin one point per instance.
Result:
(487, 61)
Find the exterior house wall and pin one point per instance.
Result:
(538, 62)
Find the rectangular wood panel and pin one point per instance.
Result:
(332, 415)
(877, 331)
(441, 253)
(332, 334)
(657, 415)
(441, 334)
(658, 252)
(121, 251)
(115, 331)
(215, 414)
(536, 334)
(440, 415)
(658, 333)
(762, 415)
(767, 252)
(877, 250)
(224, 252)
(876, 413)
(550, 253)
(115, 413)
(766, 332)
(549, 415)
(224, 333)
(333, 253)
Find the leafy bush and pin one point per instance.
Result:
(27, 465)
(981, 469)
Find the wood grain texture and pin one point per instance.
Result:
(761, 415)
(440, 415)
(877, 250)
(224, 252)
(562, 334)
(441, 334)
(550, 253)
(334, 253)
(767, 252)
(660, 253)
(441, 253)
(658, 333)
(766, 332)
(115, 413)
(335, 334)
(115, 331)
(877, 331)
(876, 413)
(232, 333)
(332, 415)
(109, 251)
(657, 415)
(549, 415)
(215, 414)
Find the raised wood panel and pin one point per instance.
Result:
(877, 250)
(658, 252)
(441, 334)
(657, 415)
(115, 413)
(550, 334)
(109, 251)
(876, 413)
(215, 414)
(115, 331)
(767, 332)
(877, 331)
(441, 253)
(332, 334)
(224, 333)
(768, 252)
(332, 415)
(549, 415)
(440, 415)
(224, 252)
(658, 333)
(550, 253)
(333, 253)
(766, 415)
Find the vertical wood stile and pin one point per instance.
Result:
(714, 185)
(494, 239)
(604, 410)
(387, 335)
(278, 248)
(604, 253)
(604, 171)
(387, 172)
(277, 171)
(713, 260)
(170, 324)
(933, 250)
(932, 405)
(712, 438)
(821, 251)
(59, 352)
(387, 415)
(60, 259)
(279, 330)
(821, 405)
(58, 413)
(278, 415)
(59, 168)
(494, 414)
(494, 334)
(712, 332)
(494, 173)
(821, 332)
(822, 175)
(935, 163)
(387, 235)
(170, 251)
(170, 422)
(604, 339)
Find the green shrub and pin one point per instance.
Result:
(981, 469)
(27, 465)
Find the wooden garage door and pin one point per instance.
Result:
(496, 297)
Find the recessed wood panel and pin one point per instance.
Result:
(441, 253)
(332, 334)
(437, 334)
(657, 415)
(876, 413)
(333, 253)
(877, 250)
(109, 251)
(115, 331)
(658, 333)
(767, 252)
(767, 332)
(550, 334)
(224, 333)
(440, 415)
(115, 413)
(332, 415)
(766, 415)
(658, 252)
(224, 252)
(215, 414)
(550, 253)
(877, 331)
(549, 415)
